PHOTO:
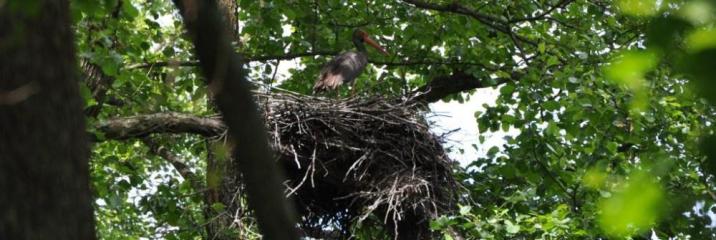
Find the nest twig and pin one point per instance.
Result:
(348, 159)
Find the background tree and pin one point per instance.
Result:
(44, 153)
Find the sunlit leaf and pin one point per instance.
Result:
(594, 178)
(511, 228)
(129, 9)
(701, 39)
(638, 7)
(698, 11)
(464, 210)
(634, 207)
(629, 68)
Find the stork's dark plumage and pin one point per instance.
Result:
(344, 68)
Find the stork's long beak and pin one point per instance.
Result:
(374, 44)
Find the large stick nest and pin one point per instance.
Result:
(360, 158)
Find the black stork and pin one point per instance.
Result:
(344, 68)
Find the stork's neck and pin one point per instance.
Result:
(360, 46)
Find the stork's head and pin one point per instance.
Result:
(360, 37)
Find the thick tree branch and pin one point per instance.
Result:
(163, 64)
(141, 126)
(490, 21)
(289, 56)
(428, 62)
(224, 73)
(443, 86)
(459, 9)
(265, 58)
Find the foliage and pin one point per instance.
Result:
(606, 98)
(619, 144)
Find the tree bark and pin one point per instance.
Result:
(228, 9)
(443, 86)
(168, 122)
(44, 153)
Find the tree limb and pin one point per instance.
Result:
(286, 56)
(163, 64)
(141, 126)
(443, 86)
(289, 56)
(490, 21)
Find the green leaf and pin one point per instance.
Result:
(447, 236)
(493, 151)
(511, 228)
(507, 89)
(552, 129)
(129, 10)
(464, 210)
(439, 223)
(551, 61)
(629, 68)
(634, 207)
(638, 7)
(218, 207)
(87, 7)
(551, 105)
(612, 147)
(594, 178)
(86, 94)
(701, 39)
(698, 12)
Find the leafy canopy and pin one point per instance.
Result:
(608, 99)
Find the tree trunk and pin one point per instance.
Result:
(43, 147)
(228, 9)
(224, 73)
(222, 171)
